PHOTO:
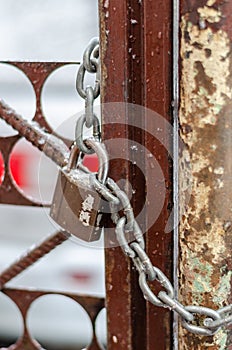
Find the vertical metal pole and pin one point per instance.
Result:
(136, 51)
(176, 19)
(122, 81)
(158, 77)
(206, 129)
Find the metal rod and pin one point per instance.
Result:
(32, 256)
(50, 145)
(176, 9)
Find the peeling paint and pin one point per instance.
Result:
(209, 14)
(206, 129)
(104, 32)
(211, 73)
(210, 2)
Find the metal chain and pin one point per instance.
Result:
(196, 319)
(89, 94)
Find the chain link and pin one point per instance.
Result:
(196, 319)
(79, 133)
(91, 65)
(80, 83)
(201, 329)
(142, 261)
(226, 318)
(89, 94)
(91, 55)
(89, 101)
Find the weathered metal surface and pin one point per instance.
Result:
(24, 298)
(56, 149)
(136, 68)
(76, 204)
(126, 313)
(158, 97)
(206, 129)
(52, 146)
(37, 72)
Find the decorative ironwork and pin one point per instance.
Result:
(10, 194)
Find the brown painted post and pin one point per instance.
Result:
(136, 45)
(158, 96)
(126, 330)
(206, 129)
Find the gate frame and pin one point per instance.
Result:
(143, 30)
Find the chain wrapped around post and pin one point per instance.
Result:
(55, 149)
(119, 201)
(191, 315)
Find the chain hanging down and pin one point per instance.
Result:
(213, 319)
(89, 93)
(199, 320)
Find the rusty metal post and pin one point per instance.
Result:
(126, 310)
(136, 45)
(157, 79)
(206, 129)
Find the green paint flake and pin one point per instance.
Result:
(217, 108)
(221, 339)
(202, 91)
(189, 25)
(203, 272)
(202, 277)
(203, 266)
(224, 288)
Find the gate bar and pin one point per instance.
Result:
(136, 51)
(206, 128)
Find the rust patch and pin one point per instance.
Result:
(205, 122)
(218, 14)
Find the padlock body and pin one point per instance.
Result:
(76, 206)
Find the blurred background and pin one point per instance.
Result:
(46, 30)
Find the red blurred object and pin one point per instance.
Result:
(91, 162)
(18, 161)
(18, 165)
(81, 277)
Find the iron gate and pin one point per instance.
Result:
(137, 63)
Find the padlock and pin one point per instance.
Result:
(76, 205)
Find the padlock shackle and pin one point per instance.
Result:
(73, 158)
(100, 150)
